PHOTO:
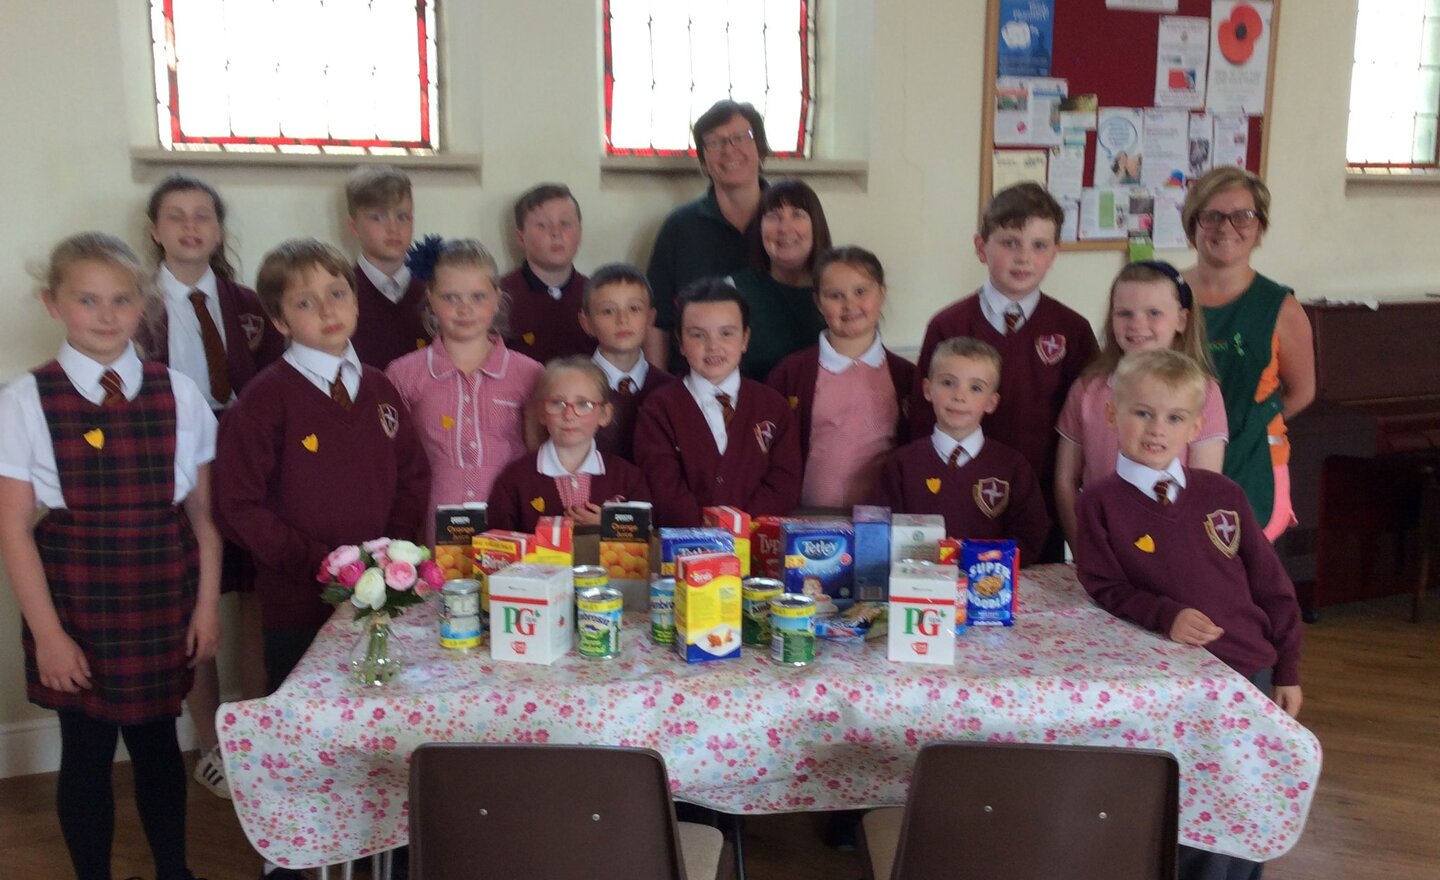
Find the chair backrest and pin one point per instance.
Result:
(553, 811)
(1021, 811)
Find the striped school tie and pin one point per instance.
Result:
(1013, 316)
(1162, 492)
(215, 363)
(339, 393)
(114, 391)
(727, 409)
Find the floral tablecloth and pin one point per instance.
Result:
(319, 769)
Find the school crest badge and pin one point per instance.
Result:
(528, 337)
(794, 402)
(254, 327)
(933, 484)
(992, 496)
(1223, 527)
(389, 420)
(1051, 348)
(765, 435)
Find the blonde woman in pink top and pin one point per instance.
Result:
(468, 394)
(848, 391)
(1151, 308)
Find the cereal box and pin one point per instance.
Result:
(707, 607)
(872, 552)
(533, 613)
(991, 570)
(625, 549)
(455, 526)
(676, 542)
(820, 562)
(492, 551)
(916, 536)
(923, 605)
(736, 522)
(554, 541)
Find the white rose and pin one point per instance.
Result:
(405, 551)
(370, 590)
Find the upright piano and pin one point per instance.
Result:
(1358, 451)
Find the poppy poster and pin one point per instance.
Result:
(1239, 56)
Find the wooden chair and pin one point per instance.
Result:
(1029, 812)
(554, 811)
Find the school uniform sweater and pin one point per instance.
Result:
(299, 476)
(618, 437)
(759, 473)
(542, 327)
(992, 496)
(1206, 550)
(386, 330)
(522, 494)
(251, 340)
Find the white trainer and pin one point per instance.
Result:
(210, 772)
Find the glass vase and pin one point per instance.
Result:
(378, 655)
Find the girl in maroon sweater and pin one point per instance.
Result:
(569, 475)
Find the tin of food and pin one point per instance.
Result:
(460, 615)
(587, 576)
(662, 611)
(792, 630)
(597, 622)
(755, 597)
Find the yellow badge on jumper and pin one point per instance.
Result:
(538, 504)
(420, 343)
(933, 484)
(794, 402)
(447, 422)
(1146, 544)
(529, 338)
(311, 443)
(95, 437)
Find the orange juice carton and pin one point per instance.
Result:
(455, 526)
(916, 536)
(949, 551)
(707, 607)
(625, 549)
(872, 552)
(992, 576)
(533, 613)
(767, 555)
(923, 607)
(554, 541)
(736, 522)
(492, 551)
(678, 542)
(820, 562)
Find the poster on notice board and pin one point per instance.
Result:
(1026, 31)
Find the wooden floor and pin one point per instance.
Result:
(1372, 696)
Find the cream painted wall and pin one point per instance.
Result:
(78, 97)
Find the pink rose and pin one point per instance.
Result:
(432, 575)
(376, 546)
(341, 557)
(381, 560)
(400, 575)
(349, 574)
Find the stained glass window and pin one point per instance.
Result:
(667, 61)
(1395, 86)
(344, 76)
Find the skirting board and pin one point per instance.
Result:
(28, 747)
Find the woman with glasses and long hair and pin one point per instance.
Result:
(1259, 336)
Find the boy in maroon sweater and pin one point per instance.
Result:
(317, 452)
(1178, 551)
(716, 438)
(1045, 344)
(546, 291)
(618, 310)
(391, 302)
(982, 487)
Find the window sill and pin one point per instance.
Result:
(1392, 176)
(154, 157)
(856, 170)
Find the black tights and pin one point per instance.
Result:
(86, 802)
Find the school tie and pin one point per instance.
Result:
(338, 392)
(727, 410)
(114, 392)
(627, 387)
(1013, 316)
(1162, 492)
(214, 349)
(954, 460)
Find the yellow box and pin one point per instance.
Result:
(707, 607)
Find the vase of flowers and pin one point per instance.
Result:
(380, 579)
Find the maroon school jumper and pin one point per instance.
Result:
(795, 376)
(618, 437)
(522, 494)
(759, 473)
(387, 330)
(542, 327)
(991, 496)
(1205, 551)
(120, 559)
(301, 476)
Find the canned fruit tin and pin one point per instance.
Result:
(662, 611)
(792, 630)
(591, 576)
(755, 596)
(460, 614)
(597, 622)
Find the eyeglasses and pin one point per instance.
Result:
(718, 142)
(556, 406)
(1242, 219)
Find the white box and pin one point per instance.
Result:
(916, 536)
(923, 604)
(532, 612)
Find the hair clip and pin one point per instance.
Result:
(420, 258)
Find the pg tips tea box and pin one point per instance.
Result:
(678, 542)
(532, 613)
(737, 523)
(991, 570)
(916, 536)
(820, 562)
(455, 526)
(707, 607)
(923, 608)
